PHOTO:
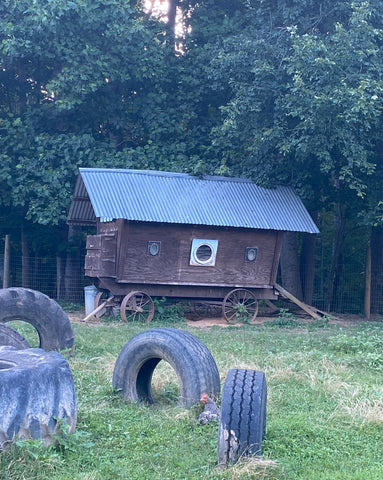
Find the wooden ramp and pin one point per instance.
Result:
(312, 311)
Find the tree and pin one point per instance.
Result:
(306, 105)
(76, 79)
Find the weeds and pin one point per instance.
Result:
(168, 312)
(285, 319)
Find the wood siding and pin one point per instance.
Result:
(172, 265)
(102, 252)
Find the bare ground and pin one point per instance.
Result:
(206, 322)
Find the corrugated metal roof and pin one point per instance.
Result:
(81, 210)
(152, 196)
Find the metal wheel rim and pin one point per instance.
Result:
(137, 307)
(240, 305)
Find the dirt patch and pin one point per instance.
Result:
(207, 322)
(343, 320)
(78, 317)
(221, 322)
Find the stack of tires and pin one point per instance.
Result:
(37, 390)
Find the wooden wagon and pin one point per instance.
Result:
(161, 234)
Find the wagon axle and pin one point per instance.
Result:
(239, 305)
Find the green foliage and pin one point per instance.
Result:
(285, 319)
(242, 313)
(166, 312)
(78, 80)
(307, 99)
(69, 307)
(322, 322)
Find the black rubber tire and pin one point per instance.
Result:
(242, 424)
(37, 389)
(11, 337)
(192, 361)
(43, 313)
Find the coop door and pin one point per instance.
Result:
(100, 260)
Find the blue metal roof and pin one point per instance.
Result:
(153, 196)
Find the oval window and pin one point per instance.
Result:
(251, 254)
(154, 249)
(204, 253)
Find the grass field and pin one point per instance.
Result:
(324, 420)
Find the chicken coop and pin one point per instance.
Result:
(210, 240)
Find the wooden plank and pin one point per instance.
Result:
(307, 308)
(98, 309)
(271, 305)
(277, 255)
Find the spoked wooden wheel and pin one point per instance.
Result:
(101, 297)
(137, 307)
(240, 305)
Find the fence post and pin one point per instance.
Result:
(367, 288)
(7, 254)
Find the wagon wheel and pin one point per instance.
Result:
(240, 305)
(137, 307)
(100, 298)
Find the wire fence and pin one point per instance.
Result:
(43, 276)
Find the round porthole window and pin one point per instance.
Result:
(204, 253)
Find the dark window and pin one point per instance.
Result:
(251, 254)
(204, 253)
(154, 249)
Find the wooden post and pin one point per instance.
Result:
(367, 288)
(7, 255)
(60, 269)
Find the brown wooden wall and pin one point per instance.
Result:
(121, 251)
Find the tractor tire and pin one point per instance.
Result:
(11, 337)
(44, 314)
(37, 394)
(242, 423)
(193, 363)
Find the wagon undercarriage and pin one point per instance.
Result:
(137, 302)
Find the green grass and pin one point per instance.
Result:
(324, 421)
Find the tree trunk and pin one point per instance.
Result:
(172, 14)
(26, 270)
(367, 287)
(376, 270)
(291, 280)
(73, 268)
(308, 264)
(60, 277)
(7, 258)
(333, 280)
(62, 240)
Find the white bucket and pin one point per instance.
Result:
(90, 296)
